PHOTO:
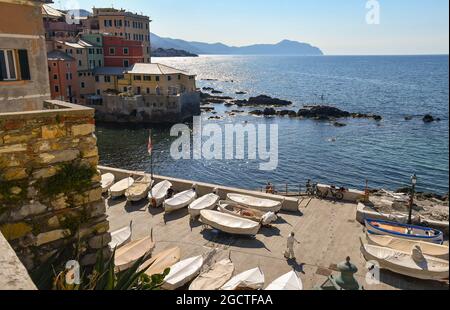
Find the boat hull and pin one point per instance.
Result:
(264, 205)
(207, 202)
(179, 201)
(229, 223)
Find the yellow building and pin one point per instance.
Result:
(145, 79)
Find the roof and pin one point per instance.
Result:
(59, 55)
(109, 71)
(48, 11)
(154, 69)
(79, 44)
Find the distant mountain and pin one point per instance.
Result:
(285, 47)
(171, 52)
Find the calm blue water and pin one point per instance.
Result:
(386, 153)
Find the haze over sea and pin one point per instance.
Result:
(386, 153)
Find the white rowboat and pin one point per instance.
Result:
(107, 181)
(127, 255)
(235, 209)
(120, 237)
(413, 264)
(214, 278)
(159, 193)
(264, 205)
(183, 272)
(180, 201)
(287, 282)
(207, 202)
(119, 189)
(160, 262)
(139, 189)
(405, 245)
(249, 280)
(229, 223)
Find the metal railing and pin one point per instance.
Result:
(285, 189)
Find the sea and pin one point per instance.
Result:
(385, 154)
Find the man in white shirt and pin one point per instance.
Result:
(289, 254)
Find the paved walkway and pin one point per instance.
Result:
(328, 233)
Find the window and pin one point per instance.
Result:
(55, 77)
(56, 89)
(126, 63)
(138, 90)
(125, 50)
(98, 92)
(12, 63)
(125, 89)
(137, 78)
(80, 74)
(179, 76)
(147, 78)
(169, 78)
(98, 40)
(148, 90)
(91, 51)
(99, 63)
(54, 64)
(97, 78)
(83, 85)
(107, 79)
(112, 51)
(157, 79)
(80, 63)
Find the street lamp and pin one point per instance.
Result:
(411, 201)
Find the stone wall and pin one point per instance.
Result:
(150, 109)
(50, 192)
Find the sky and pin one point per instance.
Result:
(338, 27)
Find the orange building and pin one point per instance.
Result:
(63, 74)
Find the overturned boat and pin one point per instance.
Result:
(288, 282)
(207, 202)
(412, 264)
(127, 255)
(158, 193)
(180, 201)
(160, 262)
(404, 231)
(121, 237)
(264, 205)
(249, 280)
(405, 245)
(229, 223)
(183, 272)
(119, 189)
(107, 181)
(214, 278)
(139, 190)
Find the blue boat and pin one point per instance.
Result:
(411, 232)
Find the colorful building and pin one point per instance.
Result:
(63, 76)
(120, 23)
(119, 52)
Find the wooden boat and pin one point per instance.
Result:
(160, 262)
(249, 280)
(229, 223)
(139, 190)
(405, 231)
(180, 201)
(183, 272)
(107, 181)
(264, 205)
(413, 264)
(119, 189)
(235, 209)
(214, 278)
(207, 202)
(288, 282)
(364, 212)
(405, 245)
(121, 237)
(159, 192)
(127, 255)
(440, 225)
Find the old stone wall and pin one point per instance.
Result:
(50, 192)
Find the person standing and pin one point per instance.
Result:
(291, 241)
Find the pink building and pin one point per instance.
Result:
(63, 73)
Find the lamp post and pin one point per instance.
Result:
(411, 201)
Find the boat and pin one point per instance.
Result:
(364, 212)
(214, 278)
(107, 181)
(180, 201)
(159, 192)
(412, 264)
(264, 205)
(288, 282)
(120, 237)
(183, 272)
(139, 190)
(207, 202)
(249, 280)
(405, 245)
(119, 189)
(127, 255)
(405, 231)
(229, 223)
(440, 225)
(160, 262)
(235, 209)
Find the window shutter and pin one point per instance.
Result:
(24, 65)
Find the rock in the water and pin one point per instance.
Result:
(408, 118)
(428, 118)
(256, 112)
(216, 92)
(241, 93)
(337, 124)
(270, 112)
(322, 112)
(263, 100)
